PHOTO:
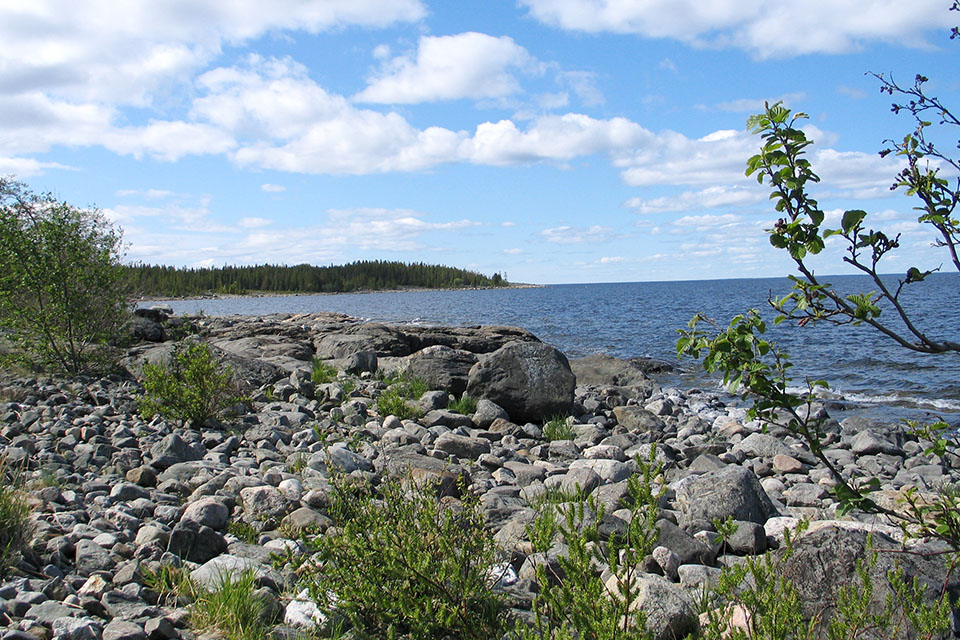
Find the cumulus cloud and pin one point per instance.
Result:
(123, 52)
(673, 158)
(577, 235)
(551, 138)
(765, 28)
(709, 198)
(272, 188)
(467, 65)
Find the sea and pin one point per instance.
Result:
(867, 372)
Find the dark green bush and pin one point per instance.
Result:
(194, 386)
(403, 564)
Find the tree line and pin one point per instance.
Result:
(365, 275)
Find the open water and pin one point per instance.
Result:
(868, 372)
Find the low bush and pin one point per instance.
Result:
(403, 564)
(574, 602)
(193, 387)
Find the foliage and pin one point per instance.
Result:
(14, 518)
(304, 278)
(406, 564)
(244, 531)
(62, 295)
(768, 606)
(171, 584)
(194, 387)
(574, 602)
(761, 370)
(235, 608)
(465, 405)
(557, 428)
(323, 373)
(395, 399)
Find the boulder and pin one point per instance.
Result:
(442, 368)
(731, 491)
(602, 370)
(531, 381)
(824, 561)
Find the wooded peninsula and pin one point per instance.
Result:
(367, 275)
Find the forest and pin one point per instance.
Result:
(367, 275)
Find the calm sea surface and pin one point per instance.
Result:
(871, 373)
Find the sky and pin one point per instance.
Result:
(552, 141)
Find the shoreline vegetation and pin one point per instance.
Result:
(290, 294)
(162, 281)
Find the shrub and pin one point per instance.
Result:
(405, 565)
(193, 387)
(14, 519)
(575, 602)
(62, 289)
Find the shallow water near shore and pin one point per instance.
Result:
(868, 372)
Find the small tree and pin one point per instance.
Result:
(62, 299)
(761, 370)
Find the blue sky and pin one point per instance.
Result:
(551, 140)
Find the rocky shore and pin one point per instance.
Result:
(116, 496)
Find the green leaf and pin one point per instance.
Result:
(852, 219)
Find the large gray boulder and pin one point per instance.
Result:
(442, 368)
(824, 560)
(729, 492)
(531, 381)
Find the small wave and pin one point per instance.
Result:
(940, 404)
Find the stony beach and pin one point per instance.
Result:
(115, 495)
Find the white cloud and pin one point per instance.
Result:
(612, 259)
(551, 138)
(765, 28)
(707, 221)
(272, 188)
(577, 235)
(467, 65)
(513, 252)
(26, 167)
(254, 223)
(124, 52)
(709, 198)
(673, 158)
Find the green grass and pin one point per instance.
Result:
(323, 373)
(395, 400)
(171, 584)
(465, 405)
(244, 531)
(14, 518)
(234, 609)
(557, 429)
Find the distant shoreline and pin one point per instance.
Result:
(280, 294)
